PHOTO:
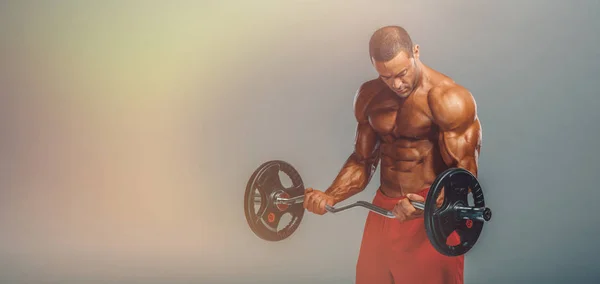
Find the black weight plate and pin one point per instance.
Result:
(441, 222)
(265, 180)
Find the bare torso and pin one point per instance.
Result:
(413, 138)
(409, 150)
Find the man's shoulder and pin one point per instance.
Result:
(448, 90)
(364, 95)
(451, 104)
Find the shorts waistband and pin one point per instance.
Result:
(388, 203)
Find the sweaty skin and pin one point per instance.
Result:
(416, 122)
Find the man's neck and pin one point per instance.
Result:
(423, 78)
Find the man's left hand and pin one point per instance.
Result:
(405, 211)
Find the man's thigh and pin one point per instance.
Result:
(417, 261)
(373, 264)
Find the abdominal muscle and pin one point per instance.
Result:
(408, 166)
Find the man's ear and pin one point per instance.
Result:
(416, 51)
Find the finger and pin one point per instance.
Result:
(440, 199)
(322, 206)
(415, 197)
(398, 213)
(417, 212)
(442, 192)
(314, 203)
(309, 201)
(306, 199)
(407, 208)
(399, 209)
(410, 211)
(306, 195)
(441, 195)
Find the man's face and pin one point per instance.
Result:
(399, 73)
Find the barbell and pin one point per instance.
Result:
(274, 200)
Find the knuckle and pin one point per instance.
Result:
(406, 207)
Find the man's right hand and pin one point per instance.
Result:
(315, 201)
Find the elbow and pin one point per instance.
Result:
(470, 165)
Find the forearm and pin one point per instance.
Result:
(353, 177)
(460, 152)
(469, 163)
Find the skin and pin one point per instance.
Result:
(417, 122)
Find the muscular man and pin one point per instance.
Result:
(417, 122)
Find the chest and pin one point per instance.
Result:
(393, 118)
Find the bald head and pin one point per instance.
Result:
(389, 41)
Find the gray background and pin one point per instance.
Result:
(129, 132)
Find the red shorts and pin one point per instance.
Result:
(395, 252)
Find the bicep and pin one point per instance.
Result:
(455, 113)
